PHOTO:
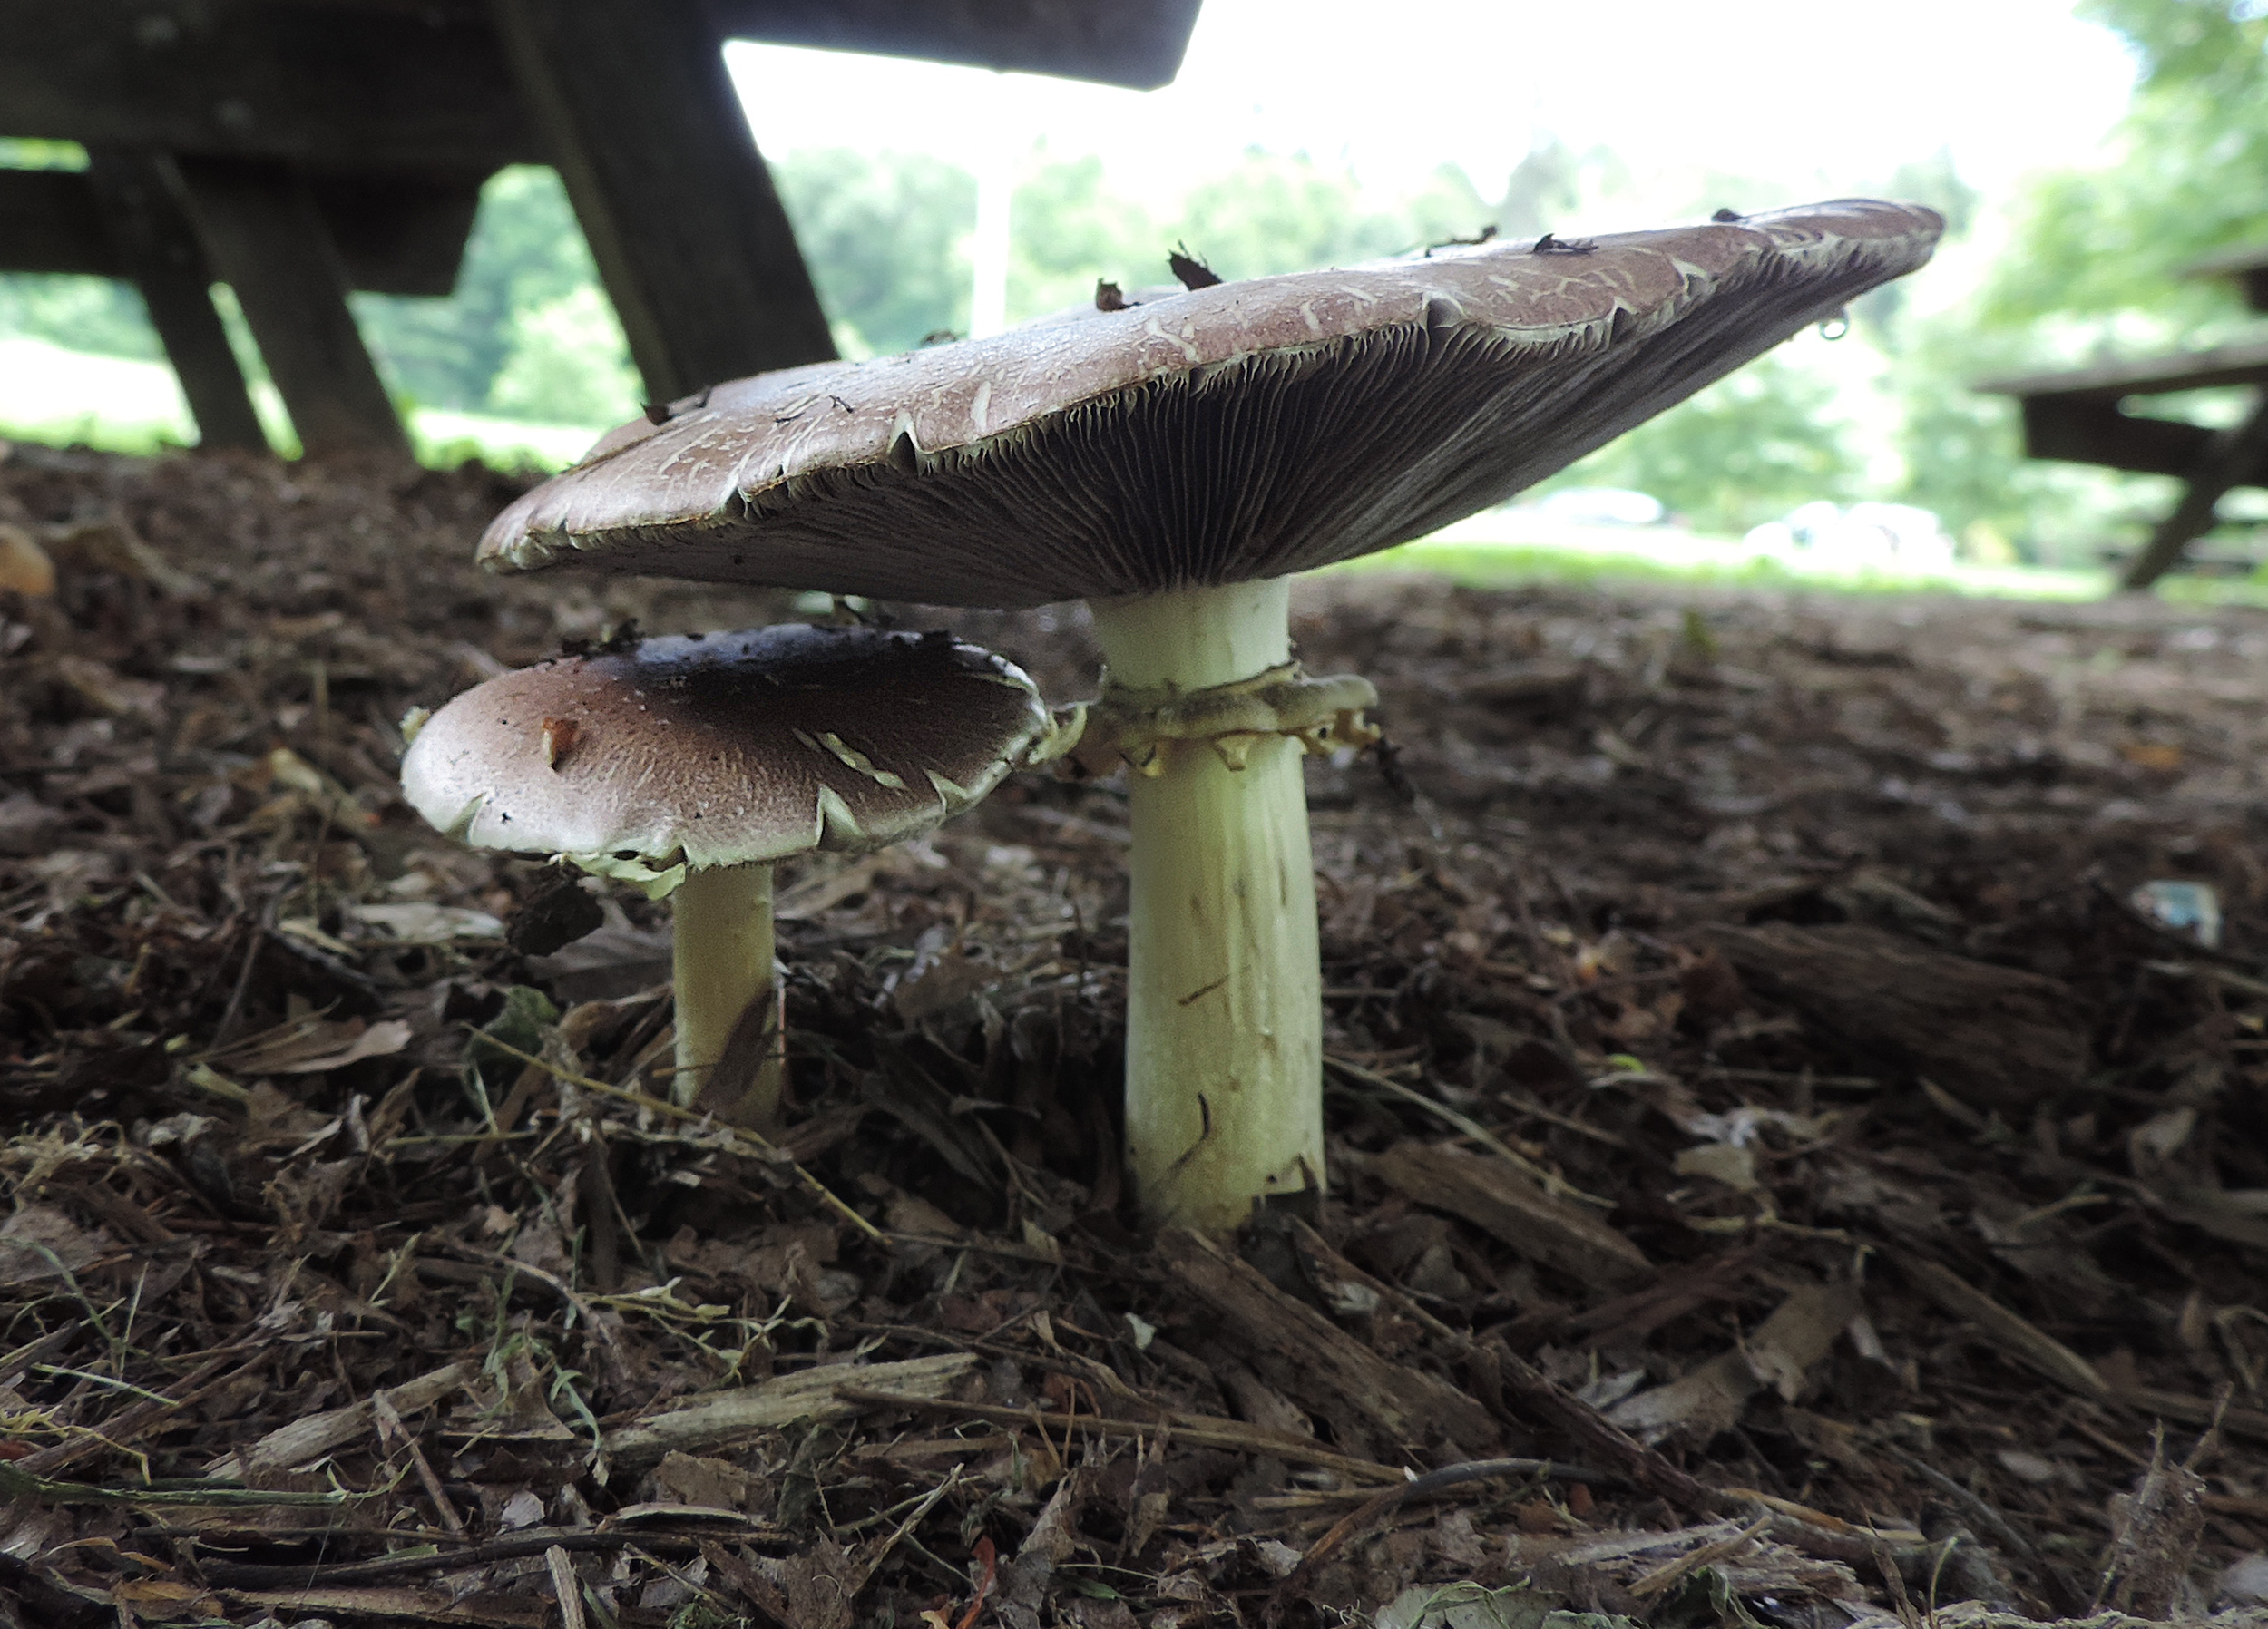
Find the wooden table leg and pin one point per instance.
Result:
(2229, 457)
(135, 189)
(682, 219)
(265, 240)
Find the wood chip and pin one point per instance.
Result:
(1368, 1399)
(304, 1442)
(2019, 1340)
(1711, 1397)
(1504, 1203)
(786, 1399)
(1996, 1036)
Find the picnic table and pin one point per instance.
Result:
(2080, 415)
(299, 149)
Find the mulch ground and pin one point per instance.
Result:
(1798, 1156)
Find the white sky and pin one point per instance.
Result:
(1791, 90)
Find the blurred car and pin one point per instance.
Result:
(1601, 506)
(1898, 536)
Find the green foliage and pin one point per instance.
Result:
(525, 256)
(1276, 213)
(566, 365)
(1072, 232)
(87, 313)
(2189, 175)
(883, 234)
(1748, 449)
(27, 152)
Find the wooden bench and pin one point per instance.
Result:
(299, 149)
(2080, 416)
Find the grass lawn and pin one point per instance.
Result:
(120, 406)
(1503, 547)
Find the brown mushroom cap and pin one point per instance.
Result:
(725, 749)
(1247, 430)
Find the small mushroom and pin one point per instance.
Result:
(689, 765)
(1173, 463)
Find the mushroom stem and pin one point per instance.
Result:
(1224, 1052)
(722, 968)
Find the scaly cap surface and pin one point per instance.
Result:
(724, 750)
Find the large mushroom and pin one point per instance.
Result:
(690, 765)
(1173, 463)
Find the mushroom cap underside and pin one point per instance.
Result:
(1245, 430)
(726, 749)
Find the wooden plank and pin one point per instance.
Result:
(2243, 363)
(387, 83)
(684, 223)
(2232, 456)
(50, 222)
(351, 86)
(263, 237)
(2095, 431)
(399, 231)
(2246, 265)
(1133, 42)
(157, 246)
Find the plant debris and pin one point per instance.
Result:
(1790, 1166)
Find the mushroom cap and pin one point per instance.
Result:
(724, 749)
(1245, 430)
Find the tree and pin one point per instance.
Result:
(525, 252)
(2188, 174)
(883, 234)
(566, 365)
(1276, 213)
(1748, 449)
(1069, 231)
(94, 313)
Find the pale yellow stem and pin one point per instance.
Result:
(1224, 1065)
(722, 967)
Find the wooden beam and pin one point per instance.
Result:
(352, 86)
(680, 213)
(2096, 431)
(262, 235)
(2246, 263)
(380, 83)
(2242, 363)
(399, 231)
(1133, 42)
(2230, 456)
(50, 222)
(156, 246)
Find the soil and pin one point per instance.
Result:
(1795, 1073)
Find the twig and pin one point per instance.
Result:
(1967, 1500)
(1215, 1433)
(18, 1484)
(1366, 1516)
(245, 1575)
(1693, 1560)
(882, 1551)
(391, 1430)
(1551, 1180)
(759, 1144)
(133, 1421)
(566, 1588)
(1601, 1437)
